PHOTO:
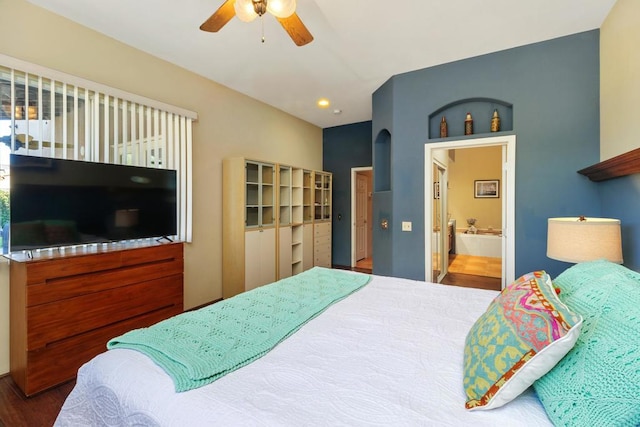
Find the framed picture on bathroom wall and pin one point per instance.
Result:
(487, 189)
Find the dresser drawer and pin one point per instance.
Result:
(322, 229)
(323, 260)
(47, 323)
(60, 288)
(322, 241)
(59, 362)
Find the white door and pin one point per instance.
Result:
(361, 217)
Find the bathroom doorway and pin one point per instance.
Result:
(492, 197)
(361, 223)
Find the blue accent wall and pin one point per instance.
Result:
(620, 199)
(383, 242)
(553, 87)
(343, 148)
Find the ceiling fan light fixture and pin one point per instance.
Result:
(281, 8)
(247, 10)
(244, 10)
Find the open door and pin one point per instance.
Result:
(361, 212)
(361, 216)
(439, 226)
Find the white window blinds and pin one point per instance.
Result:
(51, 114)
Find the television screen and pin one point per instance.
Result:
(55, 202)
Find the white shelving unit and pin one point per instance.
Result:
(271, 222)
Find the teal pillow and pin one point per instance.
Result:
(525, 331)
(598, 382)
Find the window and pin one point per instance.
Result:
(50, 114)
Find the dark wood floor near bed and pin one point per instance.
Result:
(452, 278)
(39, 410)
(471, 281)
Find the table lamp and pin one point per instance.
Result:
(584, 239)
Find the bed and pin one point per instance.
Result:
(391, 353)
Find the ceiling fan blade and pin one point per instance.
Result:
(220, 17)
(296, 29)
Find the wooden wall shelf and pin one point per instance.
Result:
(622, 165)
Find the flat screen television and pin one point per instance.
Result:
(55, 202)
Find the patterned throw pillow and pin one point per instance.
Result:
(598, 382)
(525, 331)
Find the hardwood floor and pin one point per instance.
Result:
(475, 265)
(364, 265)
(474, 272)
(39, 410)
(472, 281)
(465, 271)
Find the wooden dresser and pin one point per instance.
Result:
(65, 307)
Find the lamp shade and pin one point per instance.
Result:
(584, 239)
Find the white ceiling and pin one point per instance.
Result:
(359, 44)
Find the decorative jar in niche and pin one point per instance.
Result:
(444, 131)
(468, 125)
(495, 122)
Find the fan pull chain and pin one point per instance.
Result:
(262, 23)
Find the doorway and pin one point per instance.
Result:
(437, 156)
(361, 214)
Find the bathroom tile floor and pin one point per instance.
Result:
(475, 265)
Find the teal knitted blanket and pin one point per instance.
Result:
(198, 347)
(598, 382)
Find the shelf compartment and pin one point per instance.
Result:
(267, 174)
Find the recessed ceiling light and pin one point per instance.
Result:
(323, 102)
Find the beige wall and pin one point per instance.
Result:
(620, 79)
(472, 164)
(38, 36)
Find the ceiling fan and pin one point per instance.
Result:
(248, 10)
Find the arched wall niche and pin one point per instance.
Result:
(481, 110)
(382, 161)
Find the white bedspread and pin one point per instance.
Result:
(389, 355)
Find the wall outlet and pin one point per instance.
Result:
(406, 225)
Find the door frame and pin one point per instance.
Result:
(354, 173)
(508, 198)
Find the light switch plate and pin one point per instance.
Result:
(406, 225)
